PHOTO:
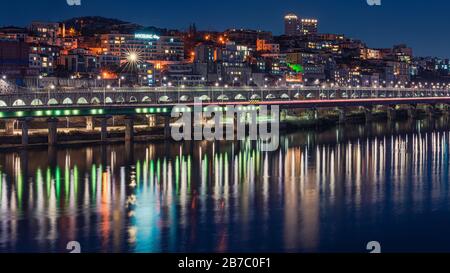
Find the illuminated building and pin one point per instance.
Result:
(295, 26)
(247, 36)
(308, 26)
(107, 60)
(152, 47)
(80, 61)
(291, 25)
(14, 33)
(370, 54)
(46, 32)
(183, 74)
(44, 58)
(265, 46)
(205, 53)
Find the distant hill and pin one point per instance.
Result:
(90, 25)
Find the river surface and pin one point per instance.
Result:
(330, 190)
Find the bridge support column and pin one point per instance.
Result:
(129, 129)
(104, 128)
(25, 126)
(90, 123)
(445, 109)
(151, 121)
(167, 130)
(342, 115)
(391, 113)
(284, 115)
(9, 126)
(412, 112)
(368, 114)
(52, 131)
(431, 110)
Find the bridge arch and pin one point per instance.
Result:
(52, 102)
(184, 98)
(146, 99)
(3, 104)
(284, 96)
(19, 102)
(36, 102)
(95, 100)
(205, 98)
(239, 97)
(223, 97)
(270, 97)
(164, 99)
(297, 96)
(310, 96)
(67, 101)
(120, 100)
(133, 99)
(108, 100)
(255, 97)
(82, 101)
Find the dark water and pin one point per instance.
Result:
(328, 191)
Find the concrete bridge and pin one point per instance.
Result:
(167, 95)
(105, 103)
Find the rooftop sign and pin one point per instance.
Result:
(146, 36)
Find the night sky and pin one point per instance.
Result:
(424, 25)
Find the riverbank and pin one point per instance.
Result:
(39, 138)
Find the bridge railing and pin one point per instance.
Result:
(219, 89)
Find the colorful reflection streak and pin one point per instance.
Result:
(329, 191)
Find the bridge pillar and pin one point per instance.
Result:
(90, 123)
(104, 129)
(391, 113)
(431, 110)
(342, 115)
(445, 109)
(129, 129)
(52, 131)
(25, 126)
(167, 130)
(151, 121)
(284, 115)
(368, 114)
(9, 126)
(412, 112)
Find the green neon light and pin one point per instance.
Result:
(39, 113)
(296, 68)
(138, 110)
(48, 112)
(2, 114)
(58, 112)
(67, 112)
(76, 112)
(19, 114)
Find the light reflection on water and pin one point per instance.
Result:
(333, 190)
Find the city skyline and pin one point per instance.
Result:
(402, 20)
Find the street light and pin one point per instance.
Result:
(120, 81)
(52, 87)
